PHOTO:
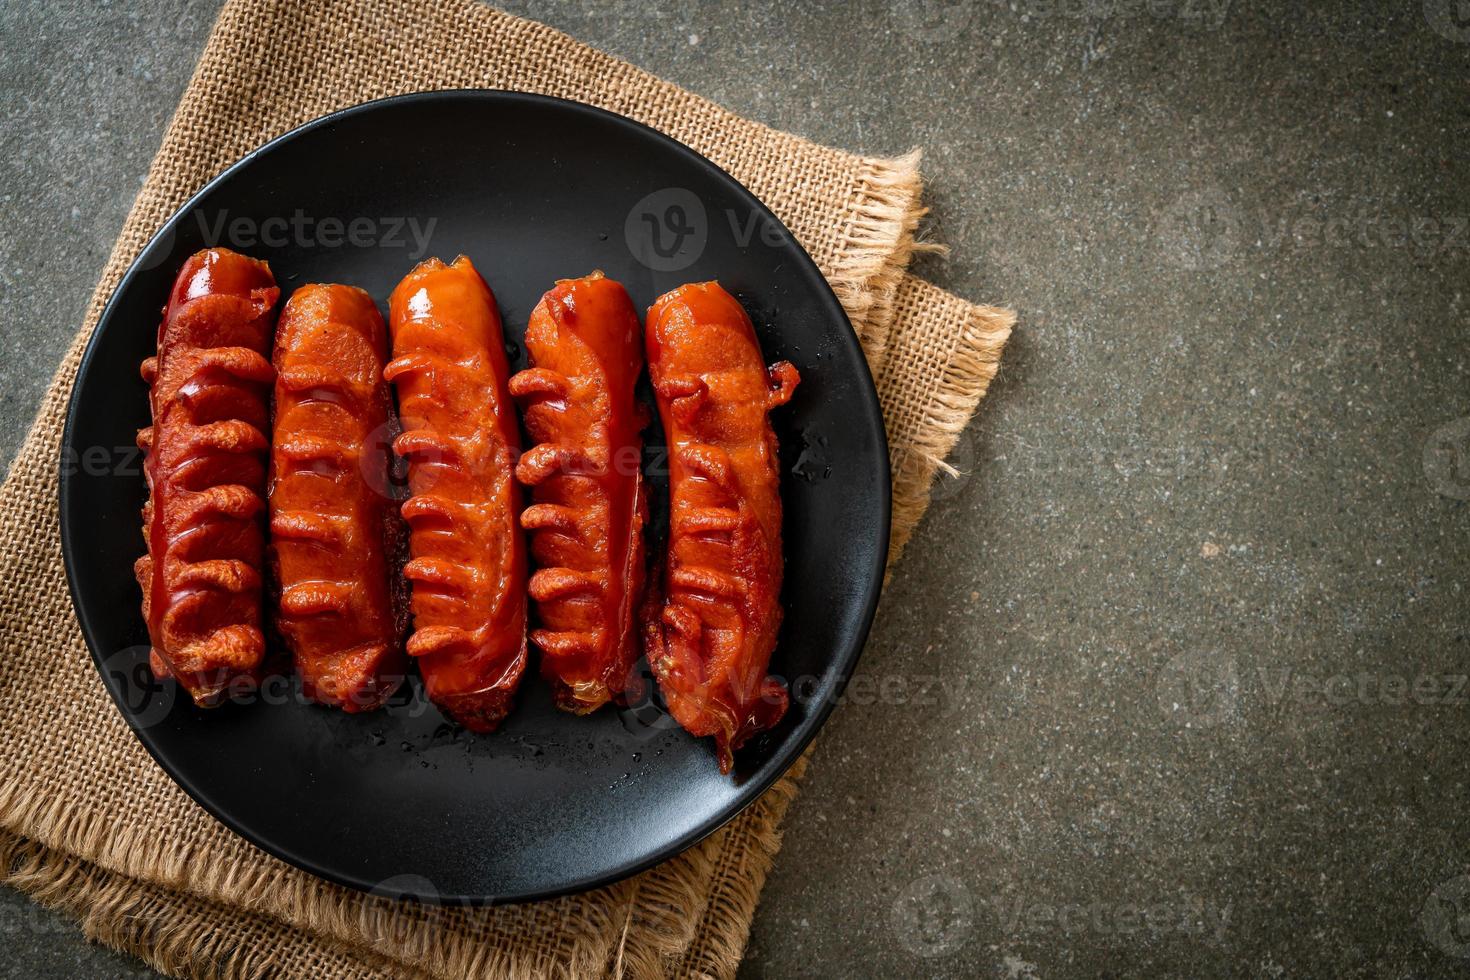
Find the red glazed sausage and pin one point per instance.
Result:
(333, 529)
(710, 637)
(588, 504)
(467, 562)
(205, 467)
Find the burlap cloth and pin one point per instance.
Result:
(90, 825)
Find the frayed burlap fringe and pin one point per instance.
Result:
(439, 941)
(739, 877)
(174, 933)
(877, 245)
(960, 342)
(93, 828)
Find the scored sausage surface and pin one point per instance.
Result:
(467, 567)
(334, 528)
(588, 505)
(205, 466)
(710, 635)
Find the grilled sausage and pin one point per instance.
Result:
(333, 528)
(205, 467)
(588, 504)
(710, 635)
(467, 564)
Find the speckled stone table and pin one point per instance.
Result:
(1172, 680)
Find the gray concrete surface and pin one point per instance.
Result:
(1194, 624)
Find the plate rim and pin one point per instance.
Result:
(800, 738)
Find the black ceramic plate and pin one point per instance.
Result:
(533, 189)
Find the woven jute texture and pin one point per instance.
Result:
(91, 826)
